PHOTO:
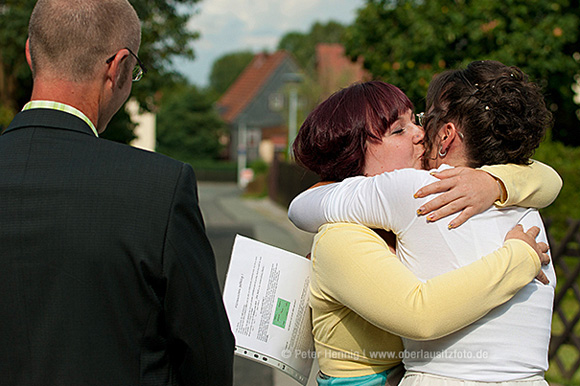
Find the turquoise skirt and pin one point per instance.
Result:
(366, 380)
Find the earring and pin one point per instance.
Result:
(441, 154)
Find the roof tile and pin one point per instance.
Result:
(249, 83)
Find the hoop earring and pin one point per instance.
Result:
(441, 154)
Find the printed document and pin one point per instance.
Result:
(266, 299)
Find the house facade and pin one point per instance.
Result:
(254, 107)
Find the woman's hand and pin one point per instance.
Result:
(530, 238)
(466, 190)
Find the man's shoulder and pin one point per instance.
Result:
(130, 163)
(139, 156)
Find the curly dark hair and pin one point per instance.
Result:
(501, 114)
(332, 141)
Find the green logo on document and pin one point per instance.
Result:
(281, 313)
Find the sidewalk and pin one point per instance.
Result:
(293, 240)
(223, 206)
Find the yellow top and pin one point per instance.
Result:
(363, 298)
(533, 186)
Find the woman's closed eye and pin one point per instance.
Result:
(398, 130)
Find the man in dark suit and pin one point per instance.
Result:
(107, 276)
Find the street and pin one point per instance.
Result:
(226, 214)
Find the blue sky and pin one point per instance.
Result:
(234, 25)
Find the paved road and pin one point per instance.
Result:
(226, 214)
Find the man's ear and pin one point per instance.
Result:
(115, 70)
(27, 51)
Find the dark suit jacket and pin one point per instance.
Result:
(106, 274)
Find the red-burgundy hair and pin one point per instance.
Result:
(332, 141)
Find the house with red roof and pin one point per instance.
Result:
(254, 106)
(335, 70)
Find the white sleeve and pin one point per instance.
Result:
(306, 211)
(383, 201)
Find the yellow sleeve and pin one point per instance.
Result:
(532, 186)
(354, 267)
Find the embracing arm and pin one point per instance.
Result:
(535, 186)
(471, 191)
(366, 200)
(354, 266)
(383, 201)
(306, 211)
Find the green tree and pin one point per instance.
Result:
(226, 69)
(188, 127)
(303, 45)
(164, 36)
(406, 42)
(15, 77)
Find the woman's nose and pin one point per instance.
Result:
(418, 135)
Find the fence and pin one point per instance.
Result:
(564, 350)
(286, 180)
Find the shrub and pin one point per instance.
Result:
(566, 161)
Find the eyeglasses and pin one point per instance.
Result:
(420, 118)
(138, 71)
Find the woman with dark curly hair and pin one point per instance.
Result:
(502, 115)
(486, 113)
